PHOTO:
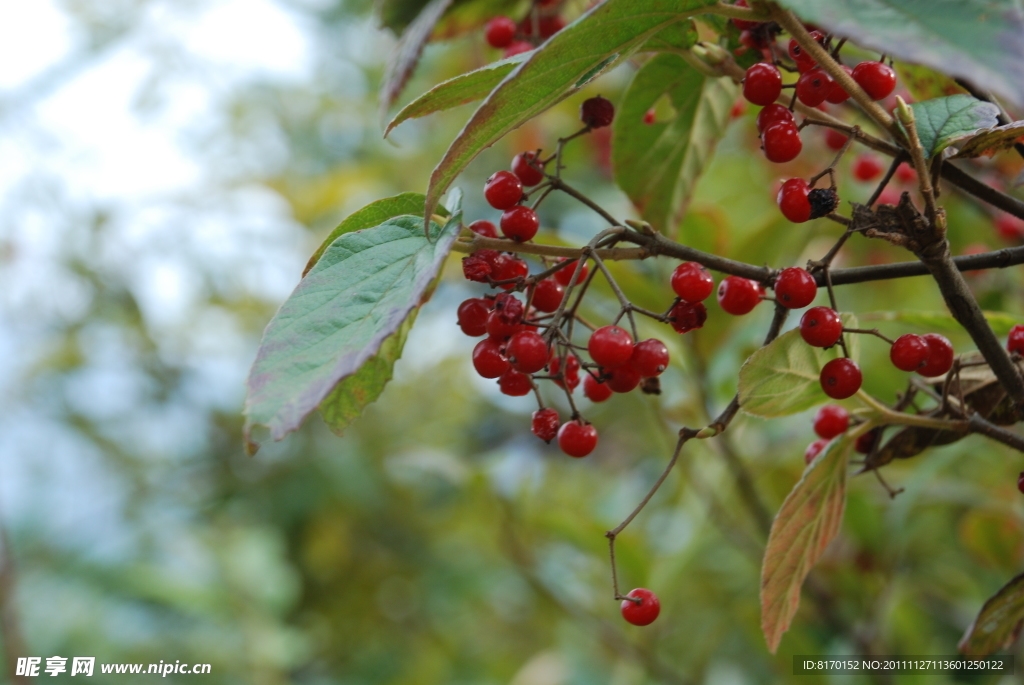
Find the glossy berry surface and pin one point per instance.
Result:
(781, 142)
(519, 223)
(501, 328)
(507, 267)
(804, 62)
(472, 315)
(840, 378)
(692, 282)
(515, 384)
(623, 379)
(564, 275)
(610, 346)
(488, 360)
(500, 32)
(484, 228)
(687, 316)
(813, 87)
(545, 424)
(773, 114)
(795, 288)
(1015, 340)
(547, 295)
(793, 200)
(762, 84)
(830, 421)
(738, 296)
(878, 80)
(641, 613)
(814, 449)
(594, 390)
(577, 439)
(597, 112)
(821, 327)
(527, 352)
(940, 355)
(523, 169)
(503, 190)
(650, 357)
(866, 168)
(909, 352)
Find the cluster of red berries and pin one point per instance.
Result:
(514, 38)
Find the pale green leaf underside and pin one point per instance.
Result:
(782, 378)
(997, 621)
(942, 121)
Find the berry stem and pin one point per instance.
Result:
(936, 217)
(869, 331)
(896, 161)
(627, 308)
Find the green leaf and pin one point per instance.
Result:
(371, 215)
(941, 322)
(604, 36)
(457, 91)
(990, 140)
(657, 165)
(398, 14)
(679, 36)
(782, 377)
(407, 52)
(357, 295)
(998, 622)
(981, 41)
(942, 121)
(807, 522)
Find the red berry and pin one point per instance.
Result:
(547, 295)
(866, 167)
(530, 175)
(473, 316)
(743, 24)
(622, 379)
(577, 439)
(878, 80)
(595, 390)
(517, 48)
(479, 266)
(821, 327)
(831, 421)
(687, 316)
(692, 282)
(906, 174)
(813, 87)
(545, 424)
(835, 139)
(515, 384)
(865, 442)
(488, 360)
(500, 31)
(501, 328)
(1015, 340)
(1020, 481)
(804, 62)
(650, 357)
(814, 449)
(527, 352)
(793, 200)
(484, 228)
(597, 112)
(795, 288)
(520, 223)
(840, 378)
(940, 355)
(503, 190)
(507, 267)
(564, 275)
(838, 94)
(641, 613)
(739, 108)
(1009, 227)
(909, 352)
(737, 295)
(610, 346)
(762, 84)
(571, 375)
(781, 142)
(773, 114)
(649, 116)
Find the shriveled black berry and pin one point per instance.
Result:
(823, 201)
(651, 386)
(597, 112)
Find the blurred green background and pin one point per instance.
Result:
(167, 167)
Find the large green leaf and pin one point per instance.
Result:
(658, 164)
(601, 38)
(942, 121)
(407, 52)
(997, 623)
(807, 522)
(457, 91)
(357, 295)
(981, 41)
(782, 377)
(943, 322)
(371, 215)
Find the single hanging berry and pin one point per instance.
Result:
(909, 352)
(515, 384)
(610, 346)
(940, 355)
(814, 449)
(781, 142)
(642, 612)
(762, 84)
(472, 315)
(795, 288)
(877, 79)
(503, 190)
(488, 360)
(793, 200)
(821, 327)
(841, 378)
(597, 112)
(545, 424)
(527, 352)
(547, 295)
(500, 32)
(738, 295)
(519, 223)
(831, 421)
(1015, 340)
(595, 390)
(650, 357)
(577, 439)
(813, 87)
(687, 316)
(623, 379)
(523, 167)
(692, 282)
